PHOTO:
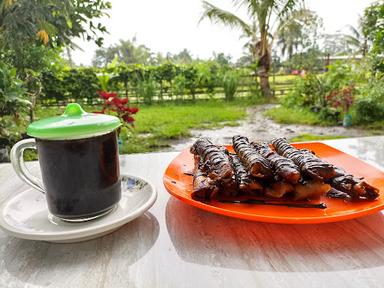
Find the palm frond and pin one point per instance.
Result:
(355, 32)
(283, 7)
(352, 41)
(220, 16)
(253, 7)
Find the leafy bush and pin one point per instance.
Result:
(191, 79)
(77, 84)
(330, 115)
(179, 86)
(370, 105)
(12, 103)
(147, 89)
(230, 84)
(338, 76)
(368, 110)
(308, 91)
(330, 94)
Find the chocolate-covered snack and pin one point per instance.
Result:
(284, 167)
(309, 164)
(256, 164)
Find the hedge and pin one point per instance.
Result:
(140, 83)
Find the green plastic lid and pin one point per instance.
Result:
(74, 123)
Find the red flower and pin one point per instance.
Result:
(120, 106)
(130, 110)
(107, 95)
(133, 110)
(116, 101)
(128, 118)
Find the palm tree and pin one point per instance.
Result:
(127, 51)
(356, 40)
(258, 30)
(298, 30)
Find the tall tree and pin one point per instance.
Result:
(222, 59)
(373, 25)
(334, 44)
(53, 22)
(126, 51)
(298, 31)
(32, 33)
(183, 57)
(258, 30)
(356, 40)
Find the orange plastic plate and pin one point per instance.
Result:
(180, 185)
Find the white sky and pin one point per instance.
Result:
(172, 25)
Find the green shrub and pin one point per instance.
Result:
(12, 99)
(12, 103)
(313, 90)
(370, 105)
(368, 110)
(230, 84)
(74, 85)
(308, 91)
(191, 79)
(330, 115)
(339, 75)
(179, 86)
(147, 89)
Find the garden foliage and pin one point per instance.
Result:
(343, 89)
(140, 82)
(370, 105)
(230, 83)
(12, 104)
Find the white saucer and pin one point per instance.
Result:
(26, 215)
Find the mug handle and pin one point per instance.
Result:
(17, 159)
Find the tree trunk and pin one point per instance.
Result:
(161, 90)
(32, 108)
(126, 90)
(31, 115)
(264, 84)
(264, 63)
(193, 93)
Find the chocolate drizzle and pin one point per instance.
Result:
(356, 188)
(285, 168)
(275, 203)
(244, 180)
(253, 161)
(214, 159)
(308, 163)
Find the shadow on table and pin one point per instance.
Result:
(42, 261)
(209, 239)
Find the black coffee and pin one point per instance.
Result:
(81, 177)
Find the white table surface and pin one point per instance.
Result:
(177, 245)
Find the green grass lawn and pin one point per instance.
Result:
(286, 115)
(157, 125)
(314, 137)
(303, 116)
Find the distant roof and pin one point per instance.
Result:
(345, 57)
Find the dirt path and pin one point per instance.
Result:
(257, 126)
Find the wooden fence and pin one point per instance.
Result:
(280, 85)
